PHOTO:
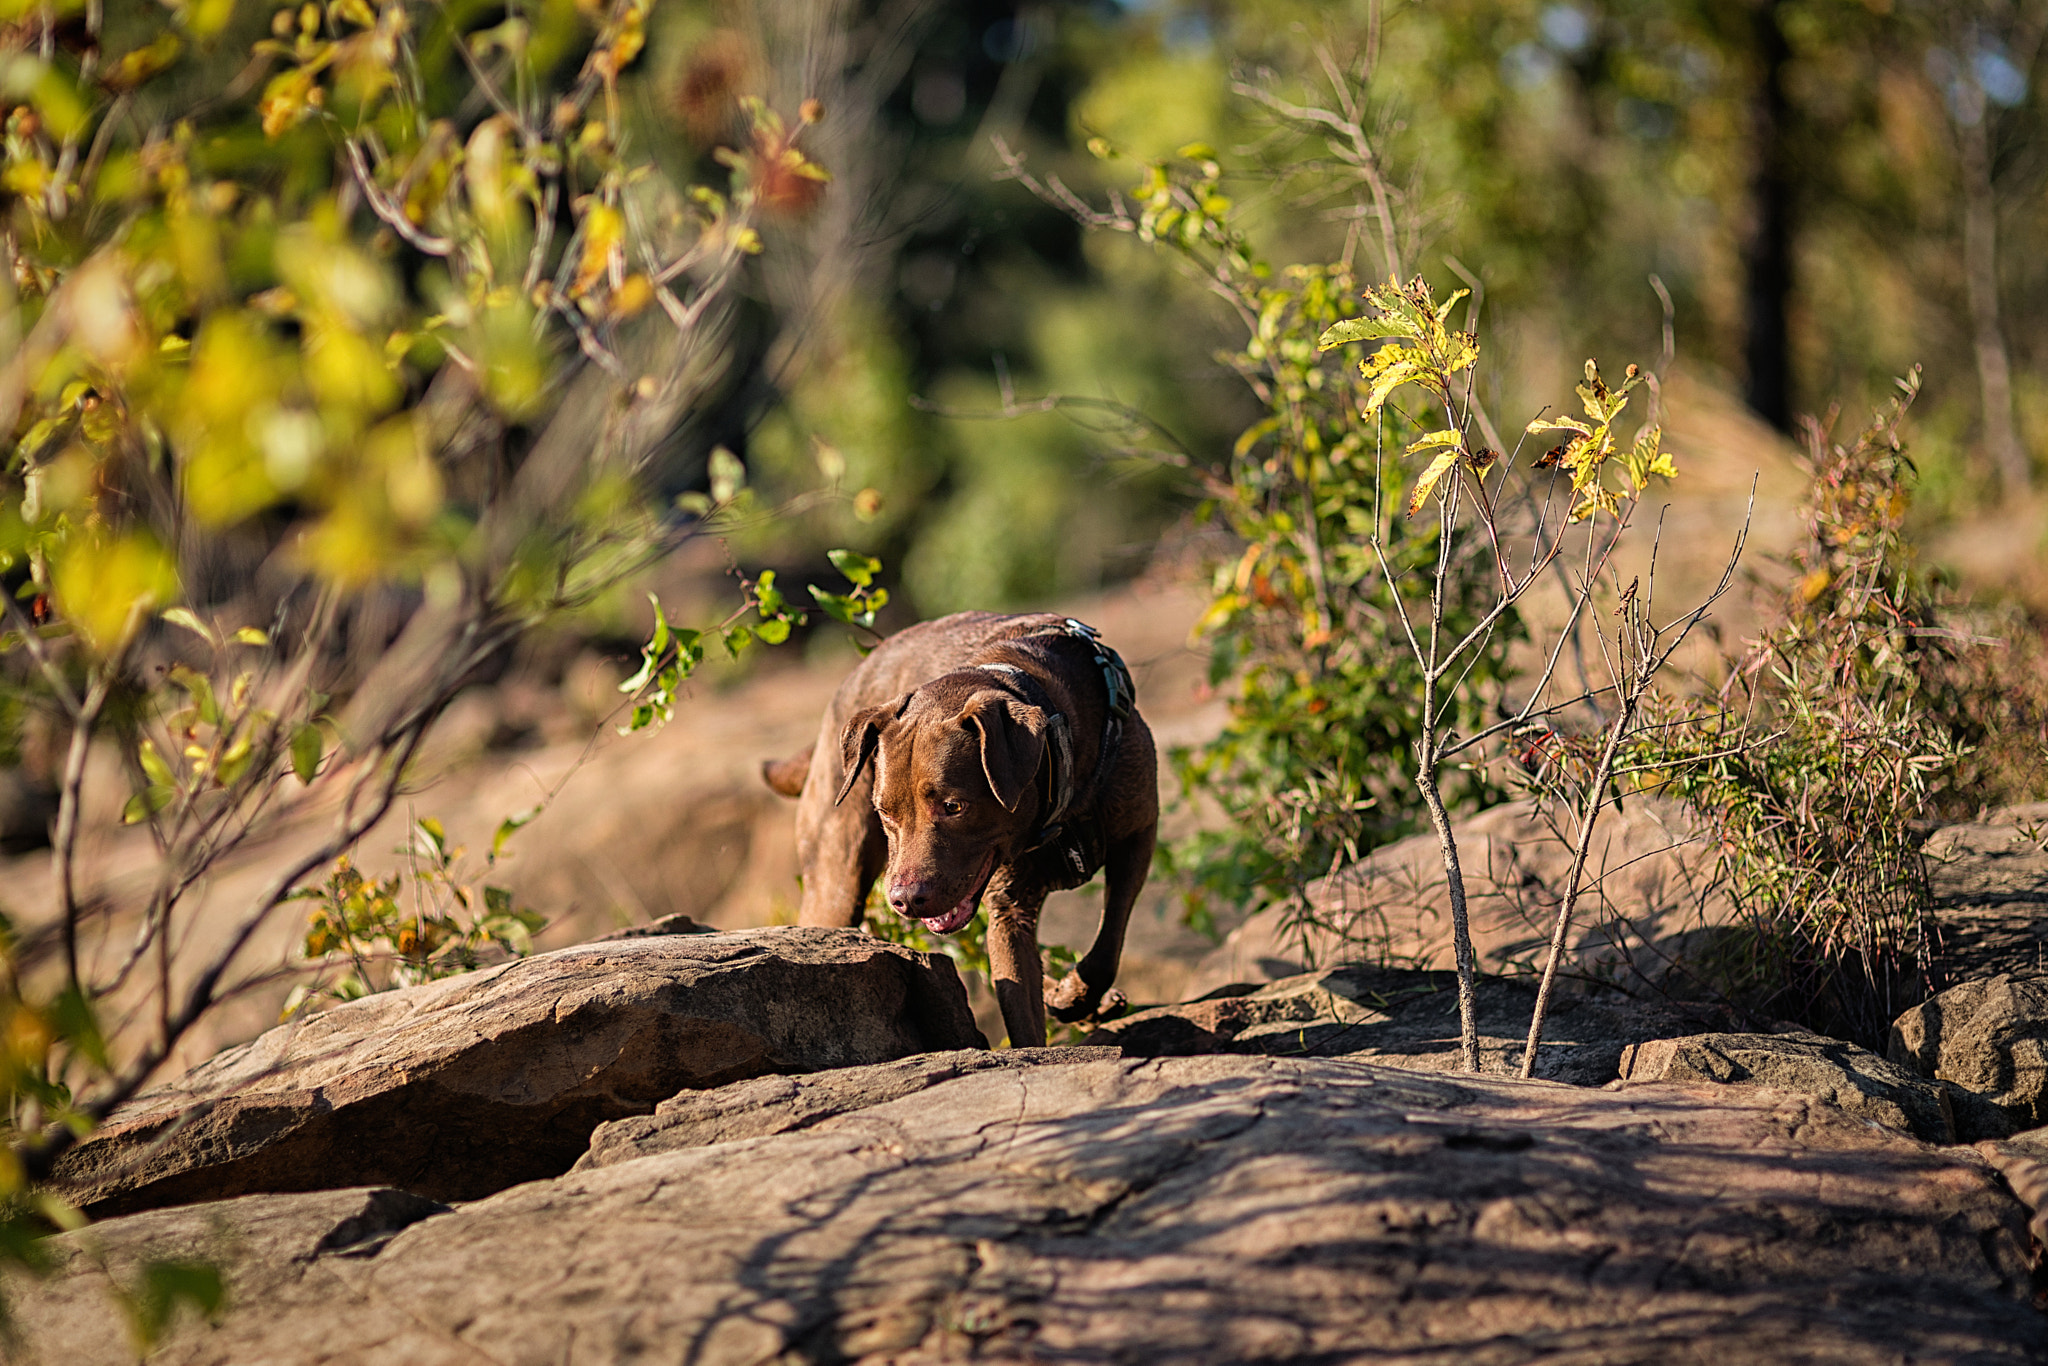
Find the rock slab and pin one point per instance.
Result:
(1649, 904)
(1207, 1209)
(462, 1087)
(780, 1105)
(1854, 1080)
(1989, 1038)
(1404, 1018)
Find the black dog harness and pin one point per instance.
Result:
(1067, 797)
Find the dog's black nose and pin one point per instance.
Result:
(909, 898)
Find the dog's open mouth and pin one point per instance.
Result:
(958, 917)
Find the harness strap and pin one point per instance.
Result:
(1122, 693)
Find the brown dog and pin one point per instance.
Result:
(982, 757)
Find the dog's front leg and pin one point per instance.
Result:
(843, 851)
(1080, 994)
(1015, 968)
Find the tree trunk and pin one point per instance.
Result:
(1980, 265)
(1768, 347)
(1461, 927)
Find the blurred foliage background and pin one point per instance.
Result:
(480, 307)
(1831, 192)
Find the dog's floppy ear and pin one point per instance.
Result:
(1012, 743)
(858, 741)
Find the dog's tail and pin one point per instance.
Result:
(787, 776)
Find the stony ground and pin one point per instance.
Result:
(1214, 1209)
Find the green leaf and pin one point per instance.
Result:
(430, 838)
(153, 764)
(1252, 435)
(201, 689)
(510, 826)
(307, 745)
(1444, 309)
(737, 638)
(640, 677)
(768, 599)
(145, 804)
(1361, 329)
(659, 640)
(249, 635)
(773, 632)
(187, 618)
(837, 606)
(860, 570)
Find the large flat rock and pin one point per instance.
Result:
(1205, 1209)
(466, 1086)
(1403, 1017)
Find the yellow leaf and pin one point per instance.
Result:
(1815, 584)
(1424, 486)
(108, 588)
(1388, 370)
(347, 370)
(1449, 436)
(633, 295)
(284, 101)
(604, 228)
(1461, 352)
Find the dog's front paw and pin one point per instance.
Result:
(1072, 1000)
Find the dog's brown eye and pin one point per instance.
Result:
(951, 808)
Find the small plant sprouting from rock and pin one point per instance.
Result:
(428, 921)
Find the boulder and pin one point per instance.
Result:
(1211, 1209)
(1647, 904)
(1990, 1039)
(1854, 1080)
(1401, 1017)
(468, 1085)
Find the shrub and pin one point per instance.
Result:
(1844, 725)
